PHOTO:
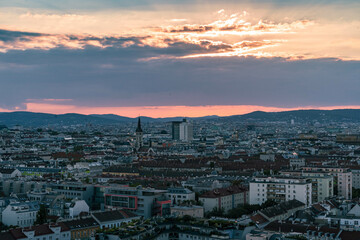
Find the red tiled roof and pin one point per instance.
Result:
(258, 219)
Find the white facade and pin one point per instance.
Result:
(77, 207)
(296, 163)
(185, 131)
(178, 195)
(280, 189)
(223, 199)
(193, 211)
(356, 178)
(343, 177)
(20, 214)
(322, 183)
(9, 173)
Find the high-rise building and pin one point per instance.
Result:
(182, 130)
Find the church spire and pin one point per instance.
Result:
(138, 129)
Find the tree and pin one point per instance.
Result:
(268, 203)
(41, 216)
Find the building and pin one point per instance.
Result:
(224, 198)
(356, 178)
(280, 189)
(10, 186)
(322, 184)
(182, 130)
(343, 178)
(20, 214)
(178, 195)
(278, 212)
(113, 219)
(139, 136)
(82, 229)
(297, 163)
(6, 173)
(76, 207)
(193, 211)
(75, 190)
(40, 232)
(146, 202)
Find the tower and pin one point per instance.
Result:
(139, 136)
(182, 130)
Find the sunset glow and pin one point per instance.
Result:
(192, 58)
(167, 111)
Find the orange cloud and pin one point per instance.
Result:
(221, 35)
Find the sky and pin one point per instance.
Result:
(163, 58)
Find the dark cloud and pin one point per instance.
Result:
(10, 36)
(115, 77)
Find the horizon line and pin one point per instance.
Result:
(245, 110)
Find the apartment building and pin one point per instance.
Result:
(178, 195)
(20, 214)
(224, 198)
(146, 202)
(51, 231)
(356, 178)
(343, 178)
(280, 189)
(74, 190)
(322, 183)
(193, 211)
(6, 173)
(13, 186)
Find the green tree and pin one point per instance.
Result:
(78, 148)
(41, 216)
(268, 203)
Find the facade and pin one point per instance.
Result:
(20, 214)
(343, 179)
(39, 232)
(145, 202)
(297, 163)
(356, 178)
(178, 195)
(82, 229)
(182, 130)
(10, 186)
(322, 184)
(76, 207)
(6, 173)
(224, 198)
(193, 211)
(75, 190)
(280, 189)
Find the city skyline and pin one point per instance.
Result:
(178, 58)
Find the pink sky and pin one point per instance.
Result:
(164, 111)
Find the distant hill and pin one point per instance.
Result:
(45, 119)
(339, 115)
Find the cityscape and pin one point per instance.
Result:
(179, 120)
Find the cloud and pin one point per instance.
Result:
(113, 77)
(235, 24)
